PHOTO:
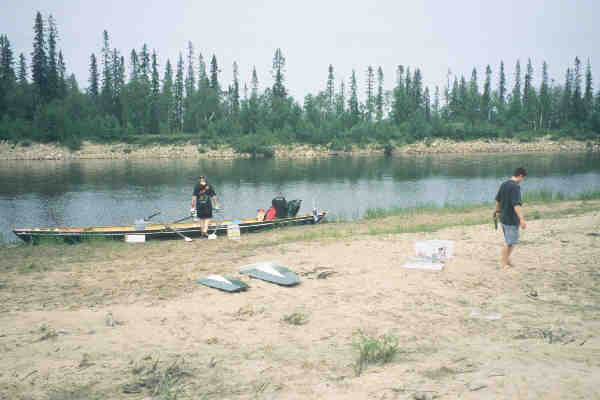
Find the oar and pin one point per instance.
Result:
(187, 239)
(156, 212)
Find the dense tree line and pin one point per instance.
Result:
(130, 99)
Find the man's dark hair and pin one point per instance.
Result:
(520, 172)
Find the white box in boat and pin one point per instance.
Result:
(233, 230)
(137, 238)
(437, 250)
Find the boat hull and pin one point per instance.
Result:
(161, 231)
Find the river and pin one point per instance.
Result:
(111, 192)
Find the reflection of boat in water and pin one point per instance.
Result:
(162, 231)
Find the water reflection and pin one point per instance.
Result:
(51, 193)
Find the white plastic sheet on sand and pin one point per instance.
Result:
(423, 263)
(441, 250)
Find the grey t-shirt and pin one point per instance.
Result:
(509, 195)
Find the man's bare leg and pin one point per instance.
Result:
(506, 252)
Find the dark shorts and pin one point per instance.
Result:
(204, 212)
(511, 234)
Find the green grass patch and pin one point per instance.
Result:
(158, 382)
(548, 196)
(374, 350)
(427, 208)
(296, 318)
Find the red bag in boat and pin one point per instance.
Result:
(270, 215)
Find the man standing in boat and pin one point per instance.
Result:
(508, 211)
(203, 199)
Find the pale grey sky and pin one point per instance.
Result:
(431, 35)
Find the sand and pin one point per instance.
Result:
(128, 321)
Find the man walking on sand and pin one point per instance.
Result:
(508, 210)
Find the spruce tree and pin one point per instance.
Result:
(529, 97)
(39, 61)
(134, 66)
(340, 100)
(7, 68)
(417, 92)
(190, 78)
(106, 94)
(369, 93)
(155, 97)
(545, 101)
(178, 96)
(515, 99)
(353, 100)
(62, 76)
(118, 79)
(578, 115)
(463, 97)
(235, 91)
(144, 71)
(566, 106)
(474, 100)
(501, 89)
(330, 91)
(203, 81)
(214, 75)
(427, 104)
(278, 73)
(398, 103)
(166, 113)
(588, 96)
(22, 73)
(93, 88)
(436, 102)
(7, 74)
(379, 98)
(52, 59)
(454, 106)
(253, 104)
(487, 94)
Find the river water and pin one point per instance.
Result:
(111, 192)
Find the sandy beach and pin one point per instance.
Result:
(113, 320)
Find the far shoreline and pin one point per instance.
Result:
(124, 151)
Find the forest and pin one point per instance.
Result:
(130, 98)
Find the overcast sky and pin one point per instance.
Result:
(432, 35)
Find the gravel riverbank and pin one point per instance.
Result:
(89, 150)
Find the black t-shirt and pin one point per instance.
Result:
(509, 195)
(203, 194)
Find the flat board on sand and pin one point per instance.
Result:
(227, 284)
(271, 271)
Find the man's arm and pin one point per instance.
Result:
(194, 198)
(520, 214)
(214, 199)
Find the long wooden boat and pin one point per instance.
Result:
(161, 231)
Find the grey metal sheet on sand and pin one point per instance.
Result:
(227, 284)
(271, 271)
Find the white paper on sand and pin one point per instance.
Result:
(423, 263)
